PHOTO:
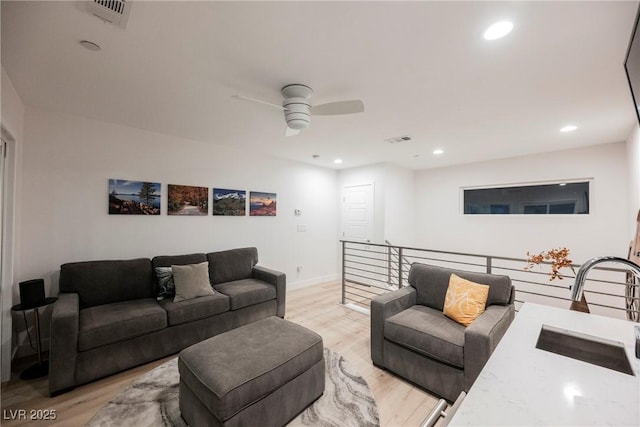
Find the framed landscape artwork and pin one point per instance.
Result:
(229, 202)
(134, 197)
(187, 200)
(262, 204)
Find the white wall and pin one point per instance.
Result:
(440, 224)
(12, 115)
(633, 157)
(68, 161)
(393, 199)
(399, 206)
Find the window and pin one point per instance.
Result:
(562, 198)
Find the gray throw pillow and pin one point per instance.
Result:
(191, 281)
(166, 287)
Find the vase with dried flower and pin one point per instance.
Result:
(558, 258)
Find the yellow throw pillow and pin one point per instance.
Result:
(465, 300)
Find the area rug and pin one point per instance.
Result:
(152, 400)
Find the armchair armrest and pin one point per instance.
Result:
(383, 307)
(277, 279)
(482, 336)
(63, 350)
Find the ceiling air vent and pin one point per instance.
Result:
(115, 11)
(398, 139)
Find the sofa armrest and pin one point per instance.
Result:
(277, 279)
(383, 307)
(63, 350)
(482, 336)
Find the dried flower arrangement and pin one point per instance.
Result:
(559, 258)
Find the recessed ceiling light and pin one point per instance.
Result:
(498, 30)
(90, 45)
(438, 151)
(568, 128)
(337, 161)
(563, 184)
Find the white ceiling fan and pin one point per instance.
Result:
(298, 110)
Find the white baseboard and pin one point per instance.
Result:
(310, 282)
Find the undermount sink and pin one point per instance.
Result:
(587, 348)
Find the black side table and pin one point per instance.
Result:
(42, 367)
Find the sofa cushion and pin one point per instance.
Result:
(429, 332)
(243, 293)
(163, 274)
(191, 281)
(110, 323)
(105, 282)
(235, 264)
(432, 282)
(195, 309)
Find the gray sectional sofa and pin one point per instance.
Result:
(108, 317)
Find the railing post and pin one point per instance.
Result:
(399, 267)
(388, 264)
(343, 270)
(489, 261)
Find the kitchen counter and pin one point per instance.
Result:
(523, 385)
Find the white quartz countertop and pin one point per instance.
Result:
(522, 385)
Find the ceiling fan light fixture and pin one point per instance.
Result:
(297, 124)
(297, 107)
(296, 90)
(297, 112)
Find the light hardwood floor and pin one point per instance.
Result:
(343, 330)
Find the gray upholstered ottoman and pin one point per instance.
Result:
(264, 373)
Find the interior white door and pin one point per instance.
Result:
(357, 212)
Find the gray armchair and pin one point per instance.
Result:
(411, 337)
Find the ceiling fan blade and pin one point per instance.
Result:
(336, 108)
(291, 132)
(259, 101)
